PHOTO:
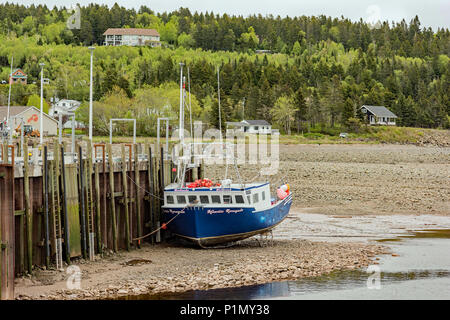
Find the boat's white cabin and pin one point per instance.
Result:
(254, 195)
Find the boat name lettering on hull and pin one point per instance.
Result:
(173, 211)
(211, 211)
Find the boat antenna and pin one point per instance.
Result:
(222, 147)
(218, 96)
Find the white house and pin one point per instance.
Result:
(251, 126)
(132, 37)
(379, 115)
(64, 107)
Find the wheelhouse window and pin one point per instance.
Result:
(249, 200)
(263, 195)
(255, 197)
(227, 199)
(192, 199)
(181, 199)
(204, 199)
(215, 199)
(239, 199)
(169, 200)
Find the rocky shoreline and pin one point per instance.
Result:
(170, 268)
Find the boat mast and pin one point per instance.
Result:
(180, 170)
(181, 124)
(218, 96)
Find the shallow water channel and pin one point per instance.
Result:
(418, 269)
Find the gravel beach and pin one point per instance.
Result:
(173, 268)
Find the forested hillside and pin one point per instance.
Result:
(321, 70)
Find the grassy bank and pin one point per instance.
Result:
(372, 135)
(379, 134)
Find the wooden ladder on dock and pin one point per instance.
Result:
(90, 211)
(56, 213)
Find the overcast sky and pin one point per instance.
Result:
(433, 13)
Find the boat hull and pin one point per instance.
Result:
(208, 226)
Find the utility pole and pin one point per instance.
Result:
(91, 49)
(41, 123)
(8, 129)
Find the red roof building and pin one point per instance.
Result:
(18, 76)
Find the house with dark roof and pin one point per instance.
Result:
(18, 76)
(251, 126)
(132, 37)
(379, 115)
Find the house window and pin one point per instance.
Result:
(215, 199)
(239, 199)
(181, 199)
(169, 200)
(255, 127)
(204, 199)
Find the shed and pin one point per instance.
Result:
(31, 116)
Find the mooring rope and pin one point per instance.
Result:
(153, 195)
(162, 226)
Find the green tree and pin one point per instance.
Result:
(35, 101)
(283, 113)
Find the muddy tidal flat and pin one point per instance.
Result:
(380, 179)
(338, 190)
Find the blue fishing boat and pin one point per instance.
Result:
(210, 214)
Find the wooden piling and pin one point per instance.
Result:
(102, 228)
(82, 202)
(28, 213)
(112, 202)
(151, 186)
(64, 206)
(89, 186)
(125, 198)
(7, 230)
(137, 201)
(97, 209)
(46, 214)
(57, 203)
